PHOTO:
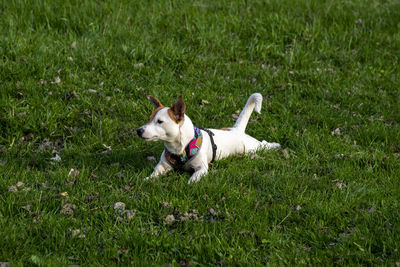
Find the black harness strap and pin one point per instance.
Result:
(213, 145)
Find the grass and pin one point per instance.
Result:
(329, 72)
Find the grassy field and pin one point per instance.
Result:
(74, 76)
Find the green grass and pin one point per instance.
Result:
(321, 65)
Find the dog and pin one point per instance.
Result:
(191, 148)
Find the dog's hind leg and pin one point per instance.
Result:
(251, 144)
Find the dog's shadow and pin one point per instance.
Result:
(118, 160)
(135, 161)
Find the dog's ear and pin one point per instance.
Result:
(155, 101)
(178, 110)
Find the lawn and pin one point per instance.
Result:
(74, 81)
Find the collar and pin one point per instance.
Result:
(190, 151)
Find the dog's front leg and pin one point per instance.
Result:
(161, 168)
(196, 176)
(199, 171)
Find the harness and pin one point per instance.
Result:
(213, 145)
(191, 150)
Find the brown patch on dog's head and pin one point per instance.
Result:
(177, 111)
(155, 112)
(157, 105)
(225, 129)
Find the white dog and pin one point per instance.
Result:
(192, 148)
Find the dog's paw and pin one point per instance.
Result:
(149, 179)
(267, 145)
(274, 146)
(194, 179)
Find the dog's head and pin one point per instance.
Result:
(164, 122)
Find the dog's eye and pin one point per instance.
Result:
(159, 121)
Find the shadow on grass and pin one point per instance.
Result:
(132, 160)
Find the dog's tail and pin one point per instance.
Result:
(254, 102)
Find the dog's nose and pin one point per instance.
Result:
(140, 132)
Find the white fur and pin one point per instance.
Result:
(177, 135)
(254, 102)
